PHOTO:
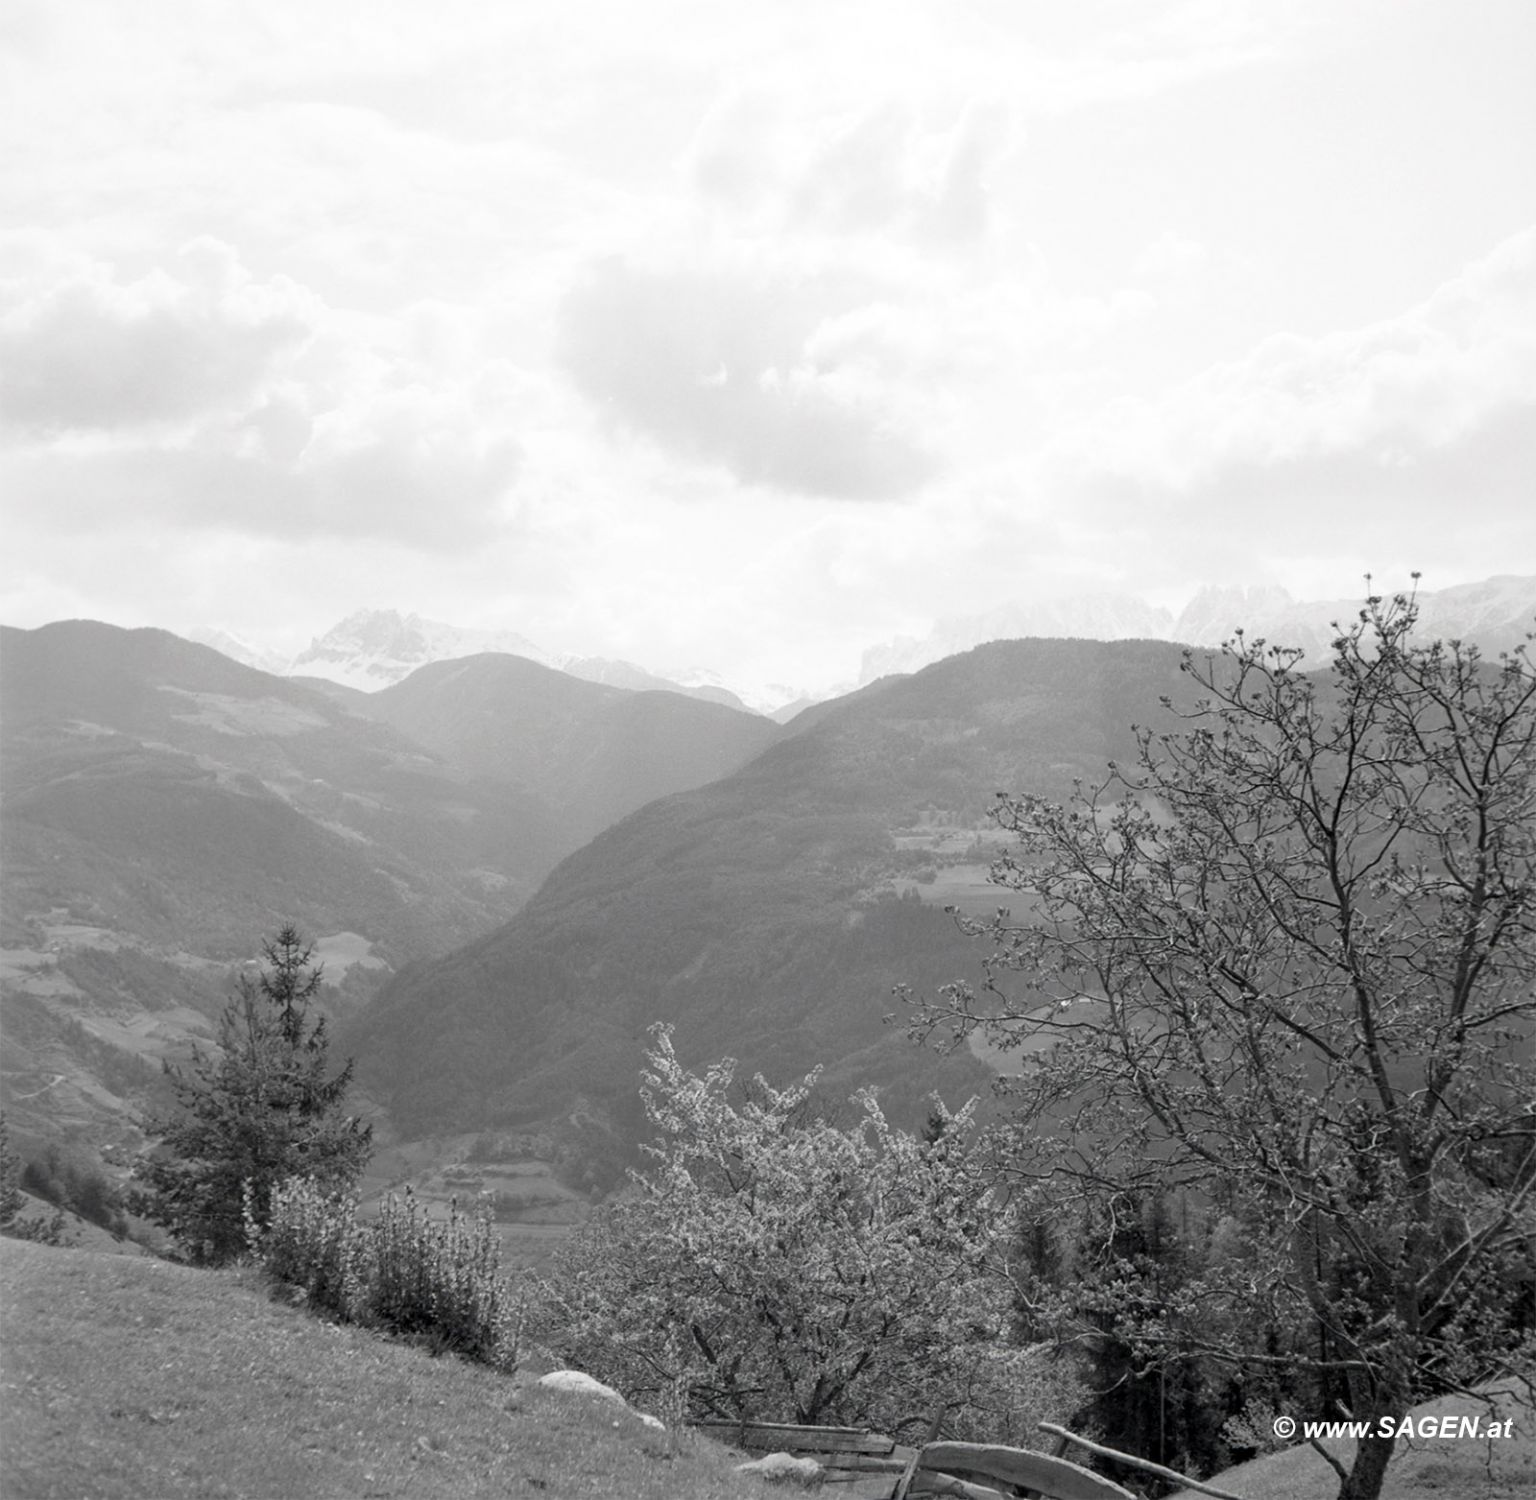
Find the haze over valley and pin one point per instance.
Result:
(512, 872)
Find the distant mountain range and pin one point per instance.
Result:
(1496, 613)
(767, 914)
(164, 807)
(376, 648)
(511, 871)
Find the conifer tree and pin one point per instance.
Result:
(265, 1109)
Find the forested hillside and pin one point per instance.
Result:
(769, 914)
(165, 807)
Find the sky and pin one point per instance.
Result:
(744, 337)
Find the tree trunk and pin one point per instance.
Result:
(1372, 1455)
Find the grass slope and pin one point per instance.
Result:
(1421, 1469)
(124, 1379)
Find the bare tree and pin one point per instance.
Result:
(1286, 962)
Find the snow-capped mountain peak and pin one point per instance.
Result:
(376, 647)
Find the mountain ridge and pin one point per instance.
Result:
(372, 649)
(1497, 612)
(165, 807)
(595, 752)
(767, 914)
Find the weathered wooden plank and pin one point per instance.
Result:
(929, 1482)
(865, 1463)
(1058, 1478)
(775, 1437)
(1172, 1475)
(853, 1484)
(904, 1484)
(863, 1487)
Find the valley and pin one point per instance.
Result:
(510, 873)
(525, 888)
(766, 915)
(164, 807)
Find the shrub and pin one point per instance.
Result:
(68, 1178)
(437, 1280)
(775, 1265)
(40, 1230)
(13, 1200)
(441, 1278)
(313, 1240)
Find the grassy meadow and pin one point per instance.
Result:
(126, 1378)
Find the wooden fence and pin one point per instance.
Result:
(870, 1466)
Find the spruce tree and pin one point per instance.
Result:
(264, 1109)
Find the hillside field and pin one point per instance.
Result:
(125, 1379)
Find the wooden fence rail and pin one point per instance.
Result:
(871, 1466)
(1137, 1463)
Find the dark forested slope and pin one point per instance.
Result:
(768, 914)
(164, 808)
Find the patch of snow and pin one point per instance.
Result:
(237, 649)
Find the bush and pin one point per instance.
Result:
(69, 1179)
(440, 1278)
(437, 1280)
(313, 1240)
(773, 1265)
(13, 1200)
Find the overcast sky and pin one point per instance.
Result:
(745, 336)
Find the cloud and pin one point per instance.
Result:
(1356, 435)
(93, 352)
(198, 396)
(1171, 258)
(713, 364)
(411, 472)
(886, 165)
